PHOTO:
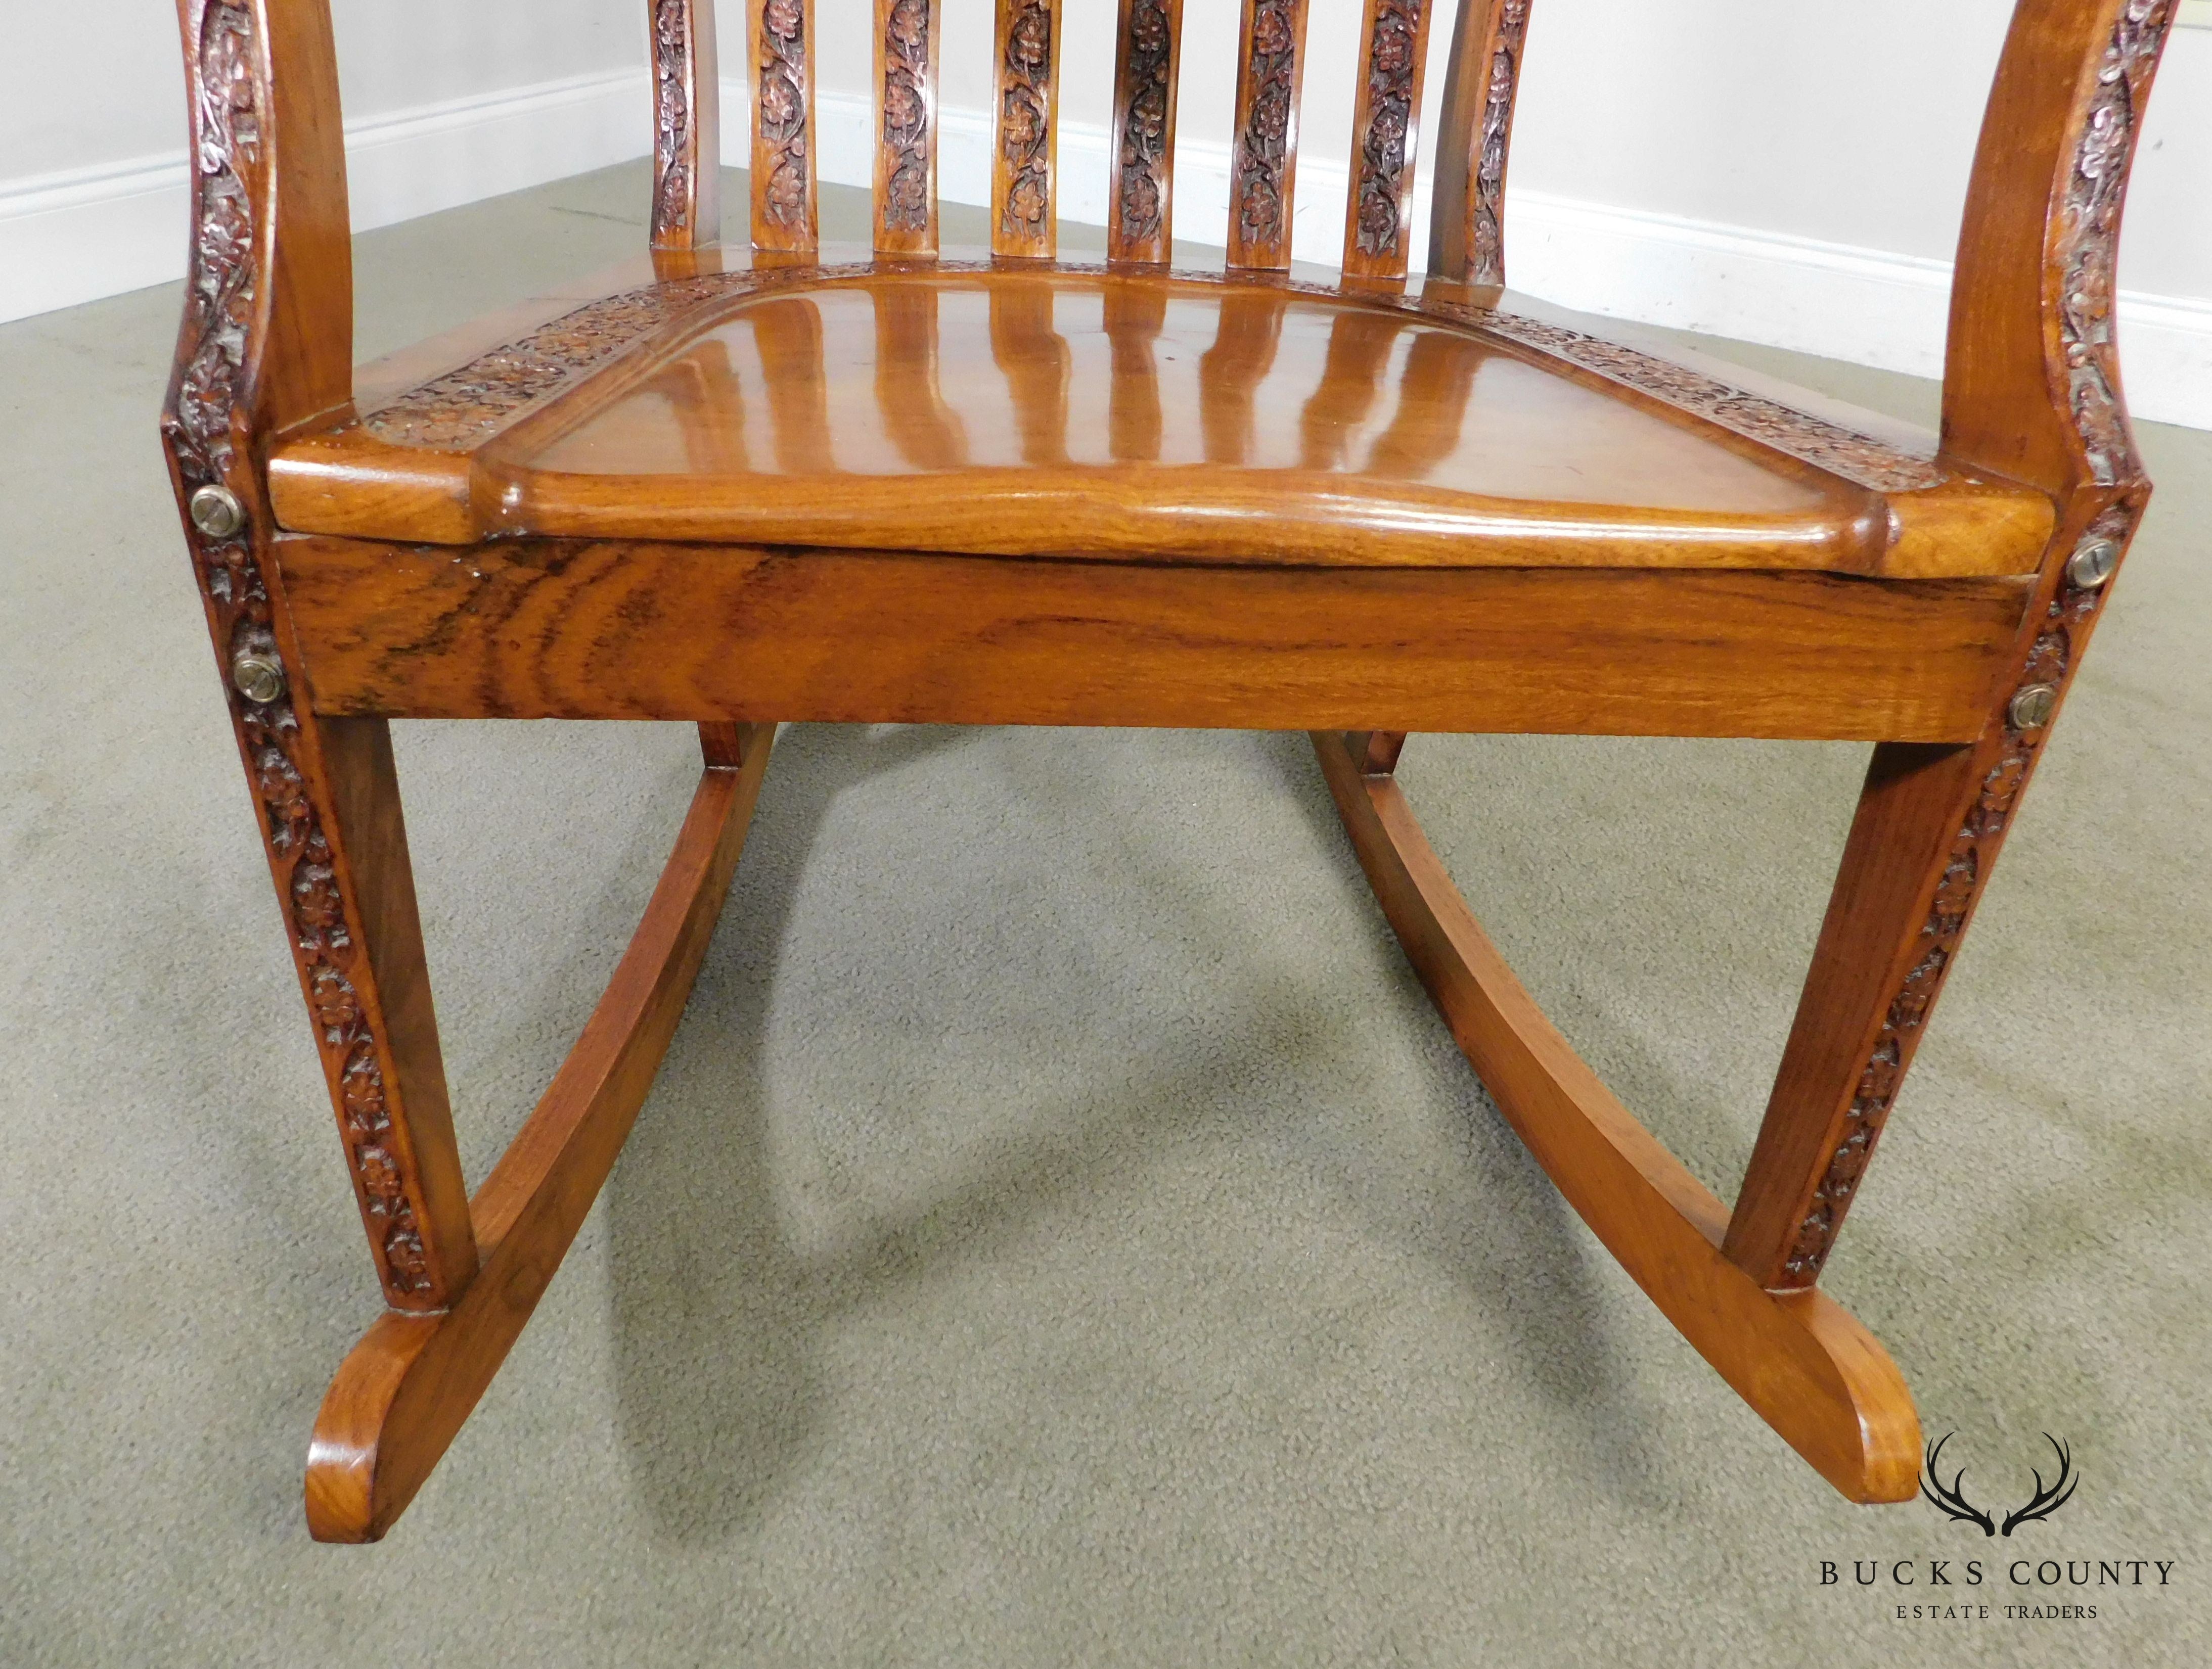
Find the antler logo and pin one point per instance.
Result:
(1950, 1498)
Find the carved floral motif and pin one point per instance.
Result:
(1843, 451)
(1258, 183)
(1392, 60)
(2051, 658)
(467, 406)
(199, 430)
(905, 117)
(1141, 167)
(1486, 200)
(1024, 124)
(674, 142)
(2088, 238)
(782, 58)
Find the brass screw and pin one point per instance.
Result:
(216, 511)
(2031, 707)
(259, 676)
(2092, 564)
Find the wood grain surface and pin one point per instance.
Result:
(546, 629)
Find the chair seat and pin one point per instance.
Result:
(1038, 409)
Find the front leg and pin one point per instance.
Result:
(328, 804)
(1929, 825)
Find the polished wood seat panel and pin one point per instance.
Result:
(1036, 409)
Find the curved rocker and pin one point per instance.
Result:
(1799, 1359)
(404, 1391)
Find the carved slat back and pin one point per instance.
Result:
(687, 144)
(1466, 237)
(781, 43)
(1264, 155)
(1139, 224)
(1025, 153)
(907, 36)
(1386, 123)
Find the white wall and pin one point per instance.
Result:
(1780, 172)
(445, 103)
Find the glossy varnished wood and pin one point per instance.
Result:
(1263, 162)
(1809, 1370)
(1875, 937)
(531, 629)
(909, 34)
(374, 874)
(403, 1393)
(1026, 136)
(687, 130)
(1386, 126)
(1141, 203)
(1282, 425)
(786, 185)
(1466, 234)
(2031, 378)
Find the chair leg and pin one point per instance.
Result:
(1920, 847)
(337, 848)
(400, 1398)
(1929, 825)
(725, 747)
(1377, 751)
(1810, 1370)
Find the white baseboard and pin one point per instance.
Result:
(76, 236)
(72, 237)
(1865, 305)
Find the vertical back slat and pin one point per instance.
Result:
(1386, 125)
(1139, 219)
(687, 145)
(907, 36)
(781, 44)
(1467, 234)
(1263, 169)
(1024, 167)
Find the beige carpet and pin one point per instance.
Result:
(1062, 1232)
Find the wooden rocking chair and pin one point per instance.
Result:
(743, 485)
